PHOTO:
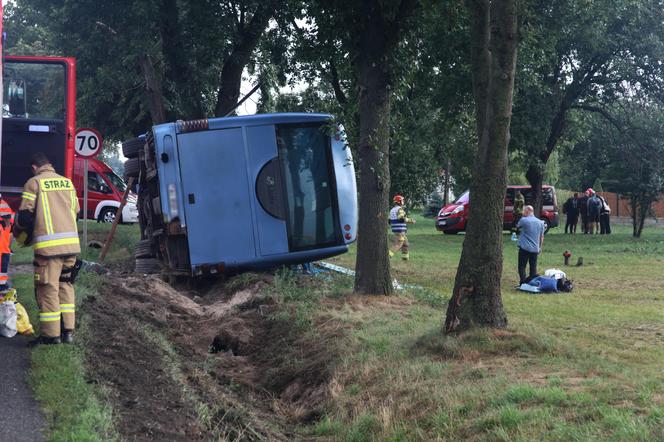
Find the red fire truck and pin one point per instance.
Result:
(38, 114)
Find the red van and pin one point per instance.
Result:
(105, 189)
(452, 218)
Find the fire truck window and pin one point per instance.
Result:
(97, 184)
(34, 90)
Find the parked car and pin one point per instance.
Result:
(452, 218)
(105, 189)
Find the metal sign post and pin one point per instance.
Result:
(85, 202)
(88, 145)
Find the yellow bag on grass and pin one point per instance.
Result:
(23, 325)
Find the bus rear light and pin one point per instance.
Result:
(347, 228)
(348, 236)
(173, 201)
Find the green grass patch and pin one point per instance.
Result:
(74, 409)
(580, 366)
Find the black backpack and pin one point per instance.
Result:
(565, 285)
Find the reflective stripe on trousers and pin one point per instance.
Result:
(68, 308)
(49, 316)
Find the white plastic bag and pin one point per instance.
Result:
(555, 273)
(8, 319)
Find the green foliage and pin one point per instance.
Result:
(189, 44)
(580, 57)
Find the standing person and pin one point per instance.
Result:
(530, 243)
(594, 207)
(47, 220)
(399, 223)
(6, 222)
(583, 212)
(517, 211)
(604, 217)
(571, 208)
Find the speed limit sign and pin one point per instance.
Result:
(88, 142)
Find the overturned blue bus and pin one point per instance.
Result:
(241, 193)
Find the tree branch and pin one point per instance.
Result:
(336, 84)
(603, 112)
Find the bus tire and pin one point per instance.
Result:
(132, 168)
(147, 266)
(143, 249)
(131, 148)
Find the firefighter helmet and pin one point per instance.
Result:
(398, 199)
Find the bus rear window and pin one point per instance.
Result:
(311, 219)
(34, 90)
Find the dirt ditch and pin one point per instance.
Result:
(181, 364)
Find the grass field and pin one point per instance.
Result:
(74, 409)
(580, 366)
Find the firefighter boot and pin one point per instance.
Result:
(67, 337)
(44, 340)
(405, 256)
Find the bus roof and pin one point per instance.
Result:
(254, 120)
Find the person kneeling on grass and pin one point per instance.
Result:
(530, 243)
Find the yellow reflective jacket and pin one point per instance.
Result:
(52, 200)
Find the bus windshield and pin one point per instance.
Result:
(34, 90)
(311, 207)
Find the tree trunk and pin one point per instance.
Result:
(379, 37)
(177, 68)
(153, 90)
(635, 214)
(372, 266)
(231, 72)
(476, 299)
(535, 178)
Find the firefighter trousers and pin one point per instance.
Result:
(55, 298)
(400, 242)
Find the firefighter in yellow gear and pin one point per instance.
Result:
(399, 224)
(46, 220)
(6, 223)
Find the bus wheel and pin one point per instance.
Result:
(147, 266)
(132, 167)
(143, 249)
(131, 148)
(107, 215)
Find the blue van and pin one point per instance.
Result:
(240, 193)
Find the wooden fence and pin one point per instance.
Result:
(620, 205)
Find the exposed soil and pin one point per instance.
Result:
(236, 353)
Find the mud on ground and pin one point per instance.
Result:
(200, 365)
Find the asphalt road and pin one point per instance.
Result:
(20, 416)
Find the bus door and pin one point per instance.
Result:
(216, 196)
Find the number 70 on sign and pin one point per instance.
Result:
(88, 142)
